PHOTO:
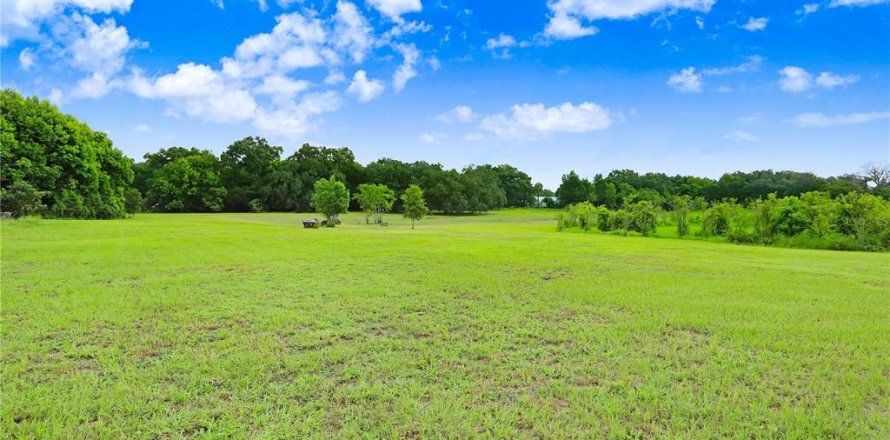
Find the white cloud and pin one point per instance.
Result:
(461, 113)
(406, 71)
(751, 65)
(755, 24)
(281, 88)
(563, 27)
(823, 120)
(795, 79)
(352, 31)
(26, 58)
(566, 15)
(432, 138)
(21, 19)
(297, 119)
(742, 136)
(363, 88)
(434, 63)
(96, 48)
(142, 127)
(218, 3)
(686, 81)
(810, 8)
(500, 46)
(334, 77)
(295, 42)
(93, 86)
(829, 80)
(394, 9)
(530, 121)
(55, 96)
(700, 22)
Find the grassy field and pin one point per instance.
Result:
(248, 325)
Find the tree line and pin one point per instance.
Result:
(56, 166)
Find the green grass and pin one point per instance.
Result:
(248, 325)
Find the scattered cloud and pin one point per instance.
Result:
(142, 127)
(94, 86)
(752, 64)
(364, 88)
(794, 79)
(742, 136)
(22, 19)
(352, 32)
(755, 24)
(566, 15)
(500, 46)
(461, 113)
(432, 138)
(334, 77)
(27, 58)
(750, 119)
(823, 120)
(532, 121)
(830, 81)
(55, 96)
(686, 81)
(406, 71)
(700, 22)
(810, 8)
(394, 9)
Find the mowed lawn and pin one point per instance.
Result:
(496, 325)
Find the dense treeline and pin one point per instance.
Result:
(251, 175)
(624, 187)
(56, 166)
(853, 221)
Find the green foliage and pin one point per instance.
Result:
(681, 215)
(21, 199)
(574, 189)
(62, 159)
(718, 219)
(414, 204)
(331, 198)
(866, 218)
(374, 200)
(621, 220)
(182, 180)
(133, 201)
(644, 217)
(247, 168)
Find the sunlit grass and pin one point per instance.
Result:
(248, 325)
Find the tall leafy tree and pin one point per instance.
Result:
(573, 189)
(184, 181)
(247, 166)
(76, 171)
(331, 198)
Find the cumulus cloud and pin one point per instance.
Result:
(742, 136)
(27, 58)
(96, 48)
(394, 9)
(363, 88)
(93, 86)
(461, 113)
(752, 64)
(566, 15)
(531, 121)
(432, 138)
(794, 79)
(21, 19)
(823, 120)
(406, 71)
(352, 31)
(299, 118)
(830, 81)
(500, 46)
(755, 24)
(686, 81)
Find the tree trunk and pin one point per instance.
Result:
(412, 223)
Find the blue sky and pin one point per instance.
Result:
(680, 86)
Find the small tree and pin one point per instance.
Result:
(374, 200)
(331, 198)
(644, 217)
(415, 206)
(681, 213)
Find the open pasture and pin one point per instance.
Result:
(495, 325)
